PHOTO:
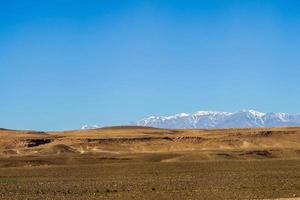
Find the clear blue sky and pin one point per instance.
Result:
(65, 63)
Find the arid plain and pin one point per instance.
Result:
(128, 162)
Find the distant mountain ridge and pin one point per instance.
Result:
(86, 127)
(214, 119)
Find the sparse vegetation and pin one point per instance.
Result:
(120, 163)
(135, 180)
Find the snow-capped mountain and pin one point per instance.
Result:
(213, 119)
(86, 127)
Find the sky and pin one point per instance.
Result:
(66, 63)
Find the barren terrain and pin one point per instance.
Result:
(148, 163)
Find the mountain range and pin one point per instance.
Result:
(86, 127)
(213, 119)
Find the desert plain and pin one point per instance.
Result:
(131, 162)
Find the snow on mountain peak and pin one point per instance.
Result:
(254, 113)
(214, 119)
(179, 115)
(199, 113)
(86, 127)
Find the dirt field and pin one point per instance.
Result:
(145, 163)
